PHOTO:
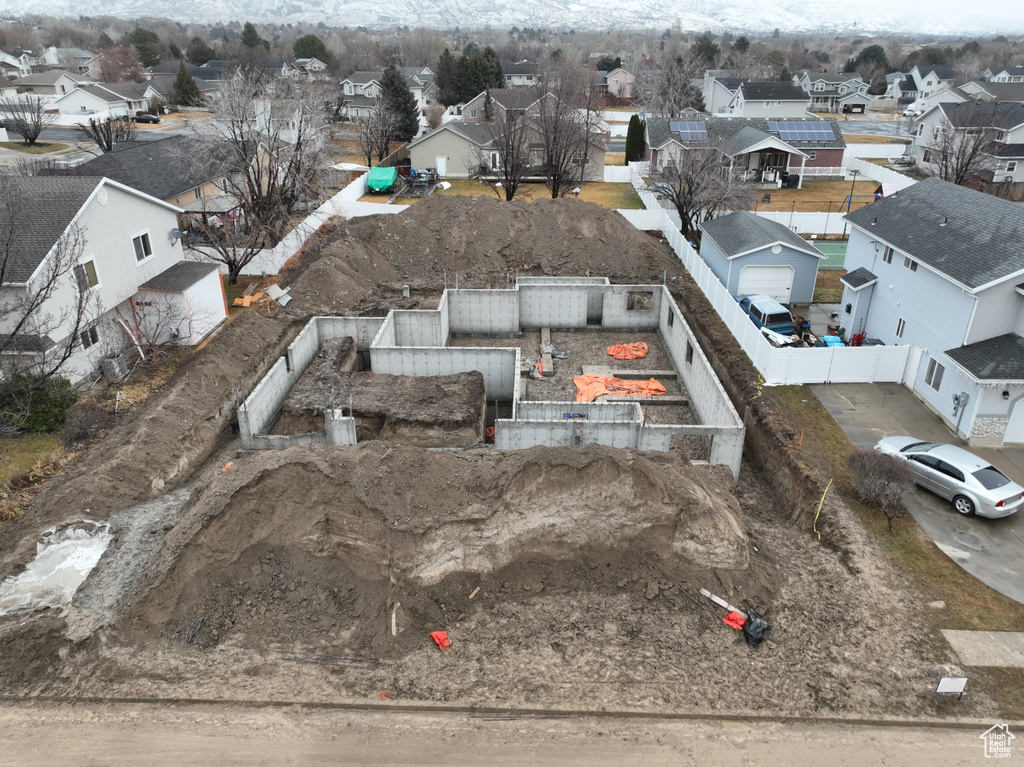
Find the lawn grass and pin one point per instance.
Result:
(871, 138)
(828, 289)
(614, 158)
(38, 148)
(611, 196)
(970, 604)
(20, 452)
(817, 194)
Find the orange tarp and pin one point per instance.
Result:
(592, 387)
(633, 351)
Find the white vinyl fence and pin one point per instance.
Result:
(777, 366)
(876, 151)
(880, 174)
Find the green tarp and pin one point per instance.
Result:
(382, 179)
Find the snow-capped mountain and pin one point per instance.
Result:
(937, 17)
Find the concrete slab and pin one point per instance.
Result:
(992, 550)
(1001, 649)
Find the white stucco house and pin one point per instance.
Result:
(123, 257)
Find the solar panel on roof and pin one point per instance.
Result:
(803, 131)
(690, 131)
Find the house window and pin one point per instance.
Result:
(199, 193)
(767, 104)
(920, 129)
(933, 375)
(819, 86)
(926, 156)
(909, 263)
(615, 80)
(887, 255)
(85, 273)
(900, 327)
(143, 249)
(472, 113)
(1011, 166)
(689, 351)
(348, 89)
(812, 155)
(89, 337)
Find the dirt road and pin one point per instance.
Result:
(141, 735)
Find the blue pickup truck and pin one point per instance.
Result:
(766, 312)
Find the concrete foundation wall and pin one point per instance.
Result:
(498, 366)
(616, 301)
(418, 328)
(385, 337)
(544, 306)
(361, 329)
(444, 314)
(528, 280)
(605, 412)
(517, 435)
(483, 311)
(341, 429)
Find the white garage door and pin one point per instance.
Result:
(1015, 427)
(773, 281)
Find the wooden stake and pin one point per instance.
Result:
(475, 592)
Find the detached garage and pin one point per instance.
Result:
(754, 255)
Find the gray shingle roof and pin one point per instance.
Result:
(732, 83)
(1003, 91)
(49, 78)
(161, 168)
(38, 210)
(979, 243)
(941, 71)
(773, 91)
(858, 278)
(743, 231)
(986, 114)
(180, 277)
(994, 359)
(1008, 151)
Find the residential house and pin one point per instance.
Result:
(618, 83)
(768, 151)
(68, 59)
(833, 92)
(467, 150)
(117, 99)
(7, 88)
(939, 267)
(1004, 75)
(10, 65)
(522, 74)
(367, 83)
(769, 99)
(719, 91)
(128, 241)
(1002, 122)
(309, 69)
(892, 82)
(984, 90)
(56, 82)
(756, 256)
(168, 169)
(931, 78)
(481, 107)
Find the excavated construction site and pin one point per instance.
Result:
(567, 574)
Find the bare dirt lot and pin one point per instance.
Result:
(276, 578)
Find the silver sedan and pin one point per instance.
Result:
(973, 485)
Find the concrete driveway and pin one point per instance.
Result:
(992, 550)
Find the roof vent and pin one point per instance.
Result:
(944, 221)
(875, 221)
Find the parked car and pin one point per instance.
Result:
(973, 485)
(766, 312)
(145, 118)
(915, 109)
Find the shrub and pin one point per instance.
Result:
(83, 421)
(883, 481)
(40, 408)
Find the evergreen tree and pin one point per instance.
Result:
(635, 140)
(490, 66)
(399, 101)
(104, 41)
(311, 47)
(472, 82)
(251, 38)
(447, 79)
(198, 52)
(186, 92)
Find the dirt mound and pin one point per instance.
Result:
(483, 239)
(329, 539)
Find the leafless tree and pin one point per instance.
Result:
(699, 185)
(26, 115)
(883, 481)
(376, 132)
(119, 64)
(108, 133)
(433, 114)
(962, 155)
(566, 118)
(665, 84)
(41, 316)
(510, 132)
(270, 134)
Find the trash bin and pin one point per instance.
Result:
(793, 181)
